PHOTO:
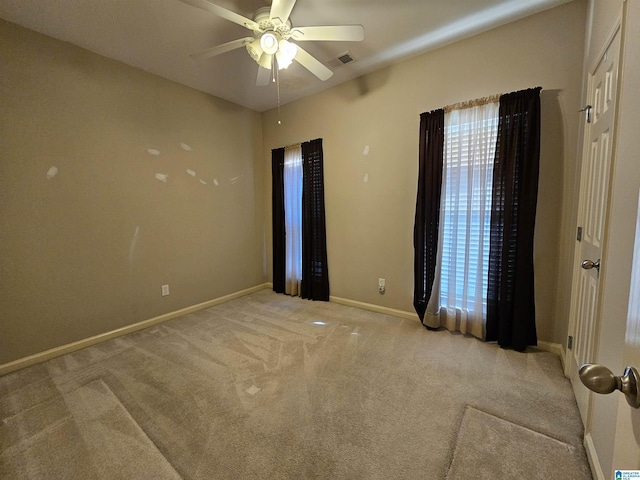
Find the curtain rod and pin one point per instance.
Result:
(480, 101)
(299, 144)
(473, 103)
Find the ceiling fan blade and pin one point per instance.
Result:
(224, 13)
(281, 9)
(313, 65)
(225, 47)
(346, 33)
(264, 77)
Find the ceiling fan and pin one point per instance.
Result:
(271, 46)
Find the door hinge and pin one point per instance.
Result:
(579, 235)
(570, 342)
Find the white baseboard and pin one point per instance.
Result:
(87, 342)
(375, 308)
(542, 345)
(592, 455)
(553, 348)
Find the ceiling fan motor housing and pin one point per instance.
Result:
(266, 24)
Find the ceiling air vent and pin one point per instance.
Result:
(341, 60)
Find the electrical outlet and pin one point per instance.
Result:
(381, 285)
(165, 290)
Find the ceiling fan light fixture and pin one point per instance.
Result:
(269, 43)
(255, 50)
(285, 54)
(283, 62)
(266, 61)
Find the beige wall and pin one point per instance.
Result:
(87, 251)
(604, 14)
(370, 134)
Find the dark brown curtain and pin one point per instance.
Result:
(425, 230)
(315, 274)
(510, 293)
(277, 219)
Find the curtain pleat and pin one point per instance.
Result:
(510, 291)
(315, 273)
(425, 231)
(277, 219)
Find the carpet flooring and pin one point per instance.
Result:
(272, 387)
(491, 447)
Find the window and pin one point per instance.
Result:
(293, 218)
(458, 295)
(469, 149)
(299, 240)
(475, 218)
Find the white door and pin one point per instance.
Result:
(627, 441)
(627, 436)
(612, 433)
(592, 214)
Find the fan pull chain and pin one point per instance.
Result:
(277, 74)
(273, 69)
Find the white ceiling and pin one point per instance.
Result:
(158, 36)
